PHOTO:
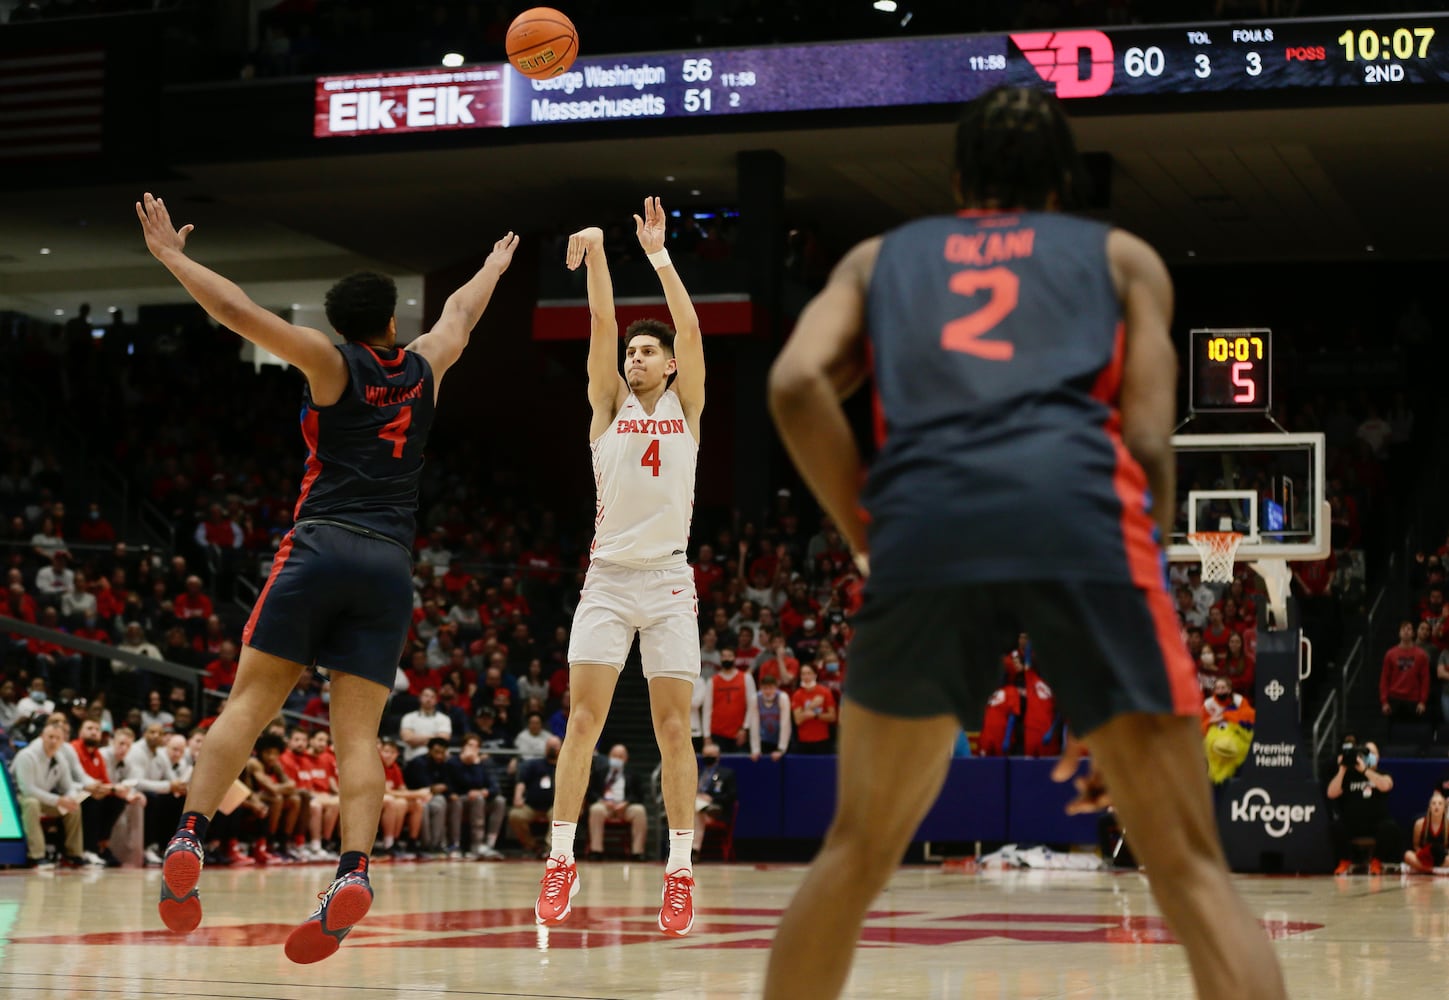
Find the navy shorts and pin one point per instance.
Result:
(1106, 649)
(336, 599)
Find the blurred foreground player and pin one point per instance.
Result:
(1026, 387)
(340, 593)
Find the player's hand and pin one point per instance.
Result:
(1091, 789)
(582, 243)
(162, 236)
(502, 254)
(650, 229)
(776, 755)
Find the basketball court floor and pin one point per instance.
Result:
(466, 929)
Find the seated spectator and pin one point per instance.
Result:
(420, 674)
(55, 580)
(443, 810)
(1430, 840)
(423, 725)
(620, 800)
(95, 529)
(533, 798)
(1216, 632)
(707, 573)
(79, 604)
(11, 706)
(32, 712)
(1361, 793)
(165, 786)
(1187, 612)
(221, 672)
(318, 710)
(485, 726)
(778, 664)
(830, 668)
(281, 795)
(533, 684)
(746, 652)
(47, 541)
(128, 834)
(455, 709)
(471, 780)
(155, 714)
(402, 807)
(799, 607)
(772, 735)
(51, 658)
(709, 652)
(1404, 679)
(44, 786)
(730, 706)
(105, 800)
(192, 606)
(715, 796)
(1239, 666)
(806, 642)
(558, 723)
(815, 714)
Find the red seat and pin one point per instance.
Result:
(725, 834)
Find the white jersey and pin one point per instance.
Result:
(644, 485)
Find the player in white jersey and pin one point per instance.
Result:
(645, 439)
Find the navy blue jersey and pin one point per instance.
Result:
(996, 342)
(365, 451)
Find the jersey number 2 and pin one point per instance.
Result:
(964, 334)
(396, 430)
(651, 457)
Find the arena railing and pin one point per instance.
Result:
(190, 676)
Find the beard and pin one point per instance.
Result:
(92, 744)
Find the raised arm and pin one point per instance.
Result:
(308, 349)
(688, 343)
(444, 343)
(823, 362)
(607, 389)
(1149, 374)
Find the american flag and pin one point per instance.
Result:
(50, 104)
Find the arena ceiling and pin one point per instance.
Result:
(1207, 187)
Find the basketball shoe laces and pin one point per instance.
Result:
(676, 891)
(555, 880)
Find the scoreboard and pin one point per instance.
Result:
(1399, 52)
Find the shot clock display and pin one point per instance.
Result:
(1404, 51)
(1230, 371)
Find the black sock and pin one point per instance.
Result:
(196, 823)
(350, 862)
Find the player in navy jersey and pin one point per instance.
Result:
(1025, 390)
(340, 592)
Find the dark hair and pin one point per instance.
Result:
(438, 741)
(270, 741)
(657, 329)
(1014, 149)
(361, 304)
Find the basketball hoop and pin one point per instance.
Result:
(1217, 549)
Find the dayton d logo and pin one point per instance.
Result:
(1057, 58)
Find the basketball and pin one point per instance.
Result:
(542, 43)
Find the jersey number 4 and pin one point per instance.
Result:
(651, 457)
(396, 430)
(964, 334)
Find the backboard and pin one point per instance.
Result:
(1269, 487)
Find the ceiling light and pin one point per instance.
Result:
(694, 191)
(44, 251)
(412, 302)
(60, 312)
(1370, 248)
(907, 19)
(114, 309)
(669, 178)
(885, 6)
(296, 305)
(1192, 253)
(453, 59)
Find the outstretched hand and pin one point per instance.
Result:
(1091, 789)
(502, 254)
(582, 243)
(161, 235)
(650, 229)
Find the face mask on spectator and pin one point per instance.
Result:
(326, 697)
(616, 763)
(38, 697)
(832, 666)
(1370, 759)
(1223, 699)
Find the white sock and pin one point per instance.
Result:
(681, 843)
(563, 842)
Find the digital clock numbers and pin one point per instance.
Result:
(1230, 371)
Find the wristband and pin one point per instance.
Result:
(659, 258)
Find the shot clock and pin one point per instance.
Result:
(1230, 371)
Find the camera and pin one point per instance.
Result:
(1351, 754)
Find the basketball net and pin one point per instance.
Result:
(1217, 550)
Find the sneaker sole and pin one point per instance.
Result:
(317, 939)
(668, 932)
(180, 905)
(564, 915)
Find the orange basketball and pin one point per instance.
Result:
(542, 43)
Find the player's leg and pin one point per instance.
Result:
(890, 771)
(357, 706)
(591, 690)
(263, 682)
(1168, 808)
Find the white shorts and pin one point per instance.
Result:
(659, 604)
